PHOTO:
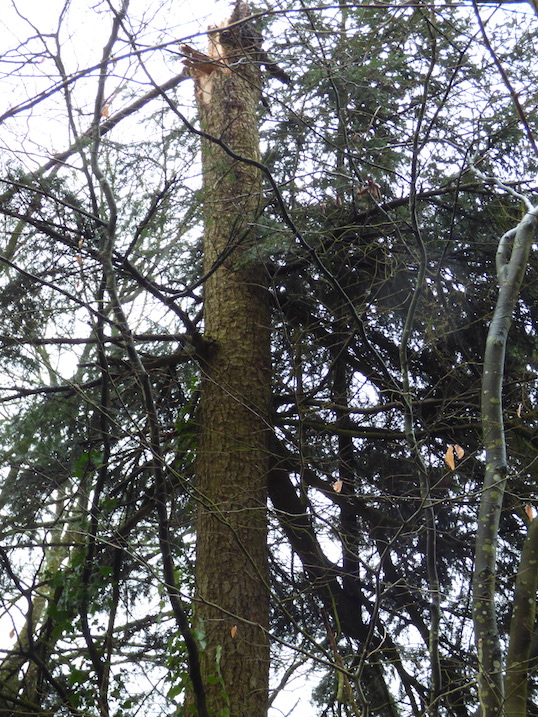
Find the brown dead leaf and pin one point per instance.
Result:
(449, 457)
(529, 510)
(453, 451)
(337, 486)
(233, 631)
(370, 187)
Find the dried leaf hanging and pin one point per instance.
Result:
(453, 451)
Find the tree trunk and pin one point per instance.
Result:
(512, 258)
(522, 627)
(232, 596)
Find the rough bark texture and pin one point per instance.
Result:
(232, 463)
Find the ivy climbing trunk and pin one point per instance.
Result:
(232, 596)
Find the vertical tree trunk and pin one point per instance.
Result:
(522, 627)
(232, 460)
(512, 258)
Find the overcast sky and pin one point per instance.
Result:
(27, 29)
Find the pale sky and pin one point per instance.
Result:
(35, 134)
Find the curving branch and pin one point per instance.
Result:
(511, 266)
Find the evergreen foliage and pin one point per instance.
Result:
(395, 161)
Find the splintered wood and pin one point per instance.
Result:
(202, 67)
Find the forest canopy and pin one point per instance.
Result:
(268, 401)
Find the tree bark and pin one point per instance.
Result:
(522, 626)
(232, 596)
(512, 258)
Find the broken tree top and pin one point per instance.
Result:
(229, 44)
